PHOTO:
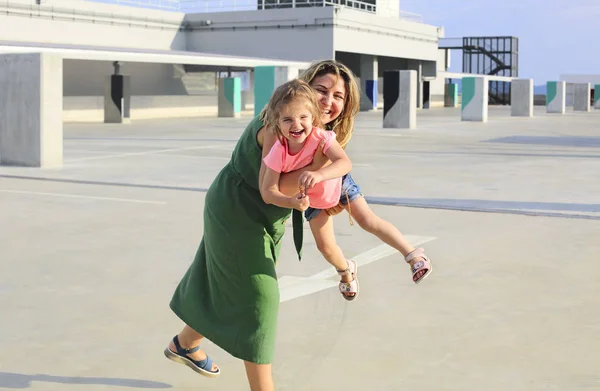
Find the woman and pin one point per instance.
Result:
(207, 299)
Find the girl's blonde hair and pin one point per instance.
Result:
(285, 94)
(343, 125)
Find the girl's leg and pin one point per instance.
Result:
(383, 229)
(322, 230)
(377, 226)
(188, 339)
(260, 377)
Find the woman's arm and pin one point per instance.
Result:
(269, 190)
(267, 139)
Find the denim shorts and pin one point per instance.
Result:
(348, 186)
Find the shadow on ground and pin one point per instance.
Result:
(19, 380)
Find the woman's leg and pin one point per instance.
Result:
(190, 338)
(322, 229)
(260, 376)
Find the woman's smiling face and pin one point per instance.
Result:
(331, 93)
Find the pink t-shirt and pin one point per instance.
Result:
(323, 195)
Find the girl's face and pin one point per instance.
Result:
(331, 93)
(296, 121)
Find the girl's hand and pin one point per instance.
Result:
(308, 179)
(300, 202)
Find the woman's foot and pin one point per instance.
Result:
(420, 265)
(193, 357)
(349, 282)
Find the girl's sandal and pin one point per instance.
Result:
(203, 367)
(352, 286)
(423, 265)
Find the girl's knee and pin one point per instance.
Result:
(326, 248)
(368, 221)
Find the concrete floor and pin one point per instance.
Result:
(509, 212)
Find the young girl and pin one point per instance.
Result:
(293, 114)
(338, 95)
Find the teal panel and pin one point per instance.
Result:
(264, 85)
(233, 92)
(468, 91)
(551, 90)
(596, 93)
(453, 91)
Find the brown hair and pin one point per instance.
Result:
(285, 94)
(343, 125)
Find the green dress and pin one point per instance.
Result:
(230, 293)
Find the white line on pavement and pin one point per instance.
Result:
(142, 153)
(84, 196)
(291, 287)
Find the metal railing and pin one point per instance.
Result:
(450, 43)
(63, 12)
(201, 6)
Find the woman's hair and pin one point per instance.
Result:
(284, 95)
(343, 125)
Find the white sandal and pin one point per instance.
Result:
(352, 286)
(423, 265)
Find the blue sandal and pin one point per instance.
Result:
(203, 367)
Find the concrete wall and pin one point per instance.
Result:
(87, 78)
(91, 108)
(256, 33)
(90, 23)
(316, 32)
(361, 32)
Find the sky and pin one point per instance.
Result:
(555, 36)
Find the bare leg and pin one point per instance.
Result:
(190, 338)
(322, 229)
(260, 376)
(381, 228)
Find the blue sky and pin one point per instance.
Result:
(555, 36)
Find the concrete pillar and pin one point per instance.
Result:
(369, 71)
(521, 97)
(117, 98)
(417, 65)
(248, 94)
(266, 79)
(581, 97)
(474, 99)
(556, 97)
(597, 96)
(31, 106)
(400, 99)
(230, 97)
(450, 95)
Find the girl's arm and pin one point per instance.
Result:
(269, 180)
(340, 166)
(288, 182)
(340, 162)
